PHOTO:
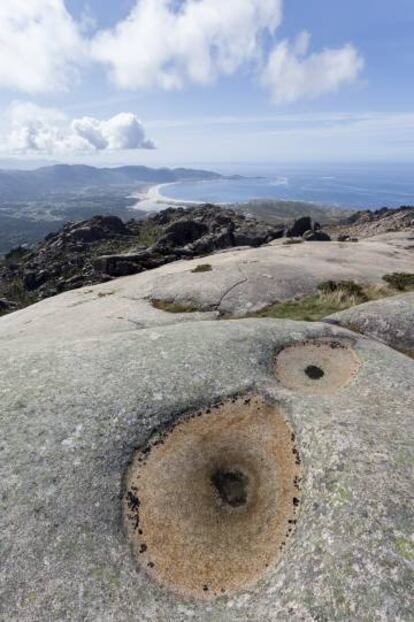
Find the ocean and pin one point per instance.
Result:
(346, 186)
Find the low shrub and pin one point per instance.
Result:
(399, 280)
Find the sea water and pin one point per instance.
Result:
(354, 186)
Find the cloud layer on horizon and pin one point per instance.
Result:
(48, 131)
(162, 44)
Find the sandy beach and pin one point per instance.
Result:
(150, 199)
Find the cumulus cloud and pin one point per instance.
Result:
(40, 45)
(168, 44)
(44, 130)
(291, 74)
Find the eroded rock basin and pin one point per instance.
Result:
(75, 414)
(210, 504)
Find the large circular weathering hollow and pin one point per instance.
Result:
(210, 504)
(318, 367)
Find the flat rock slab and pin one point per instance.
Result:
(249, 280)
(391, 320)
(112, 308)
(73, 412)
(240, 281)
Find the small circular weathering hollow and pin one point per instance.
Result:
(210, 504)
(317, 367)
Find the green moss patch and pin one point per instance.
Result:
(203, 267)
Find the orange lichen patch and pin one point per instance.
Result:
(210, 505)
(317, 367)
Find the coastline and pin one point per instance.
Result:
(151, 199)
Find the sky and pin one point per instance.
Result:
(218, 82)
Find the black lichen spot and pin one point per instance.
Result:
(314, 373)
(143, 548)
(132, 501)
(150, 564)
(205, 588)
(295, 501)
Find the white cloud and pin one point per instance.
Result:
(162, 45)
(43, 130)
(40, 45)
(291, 75)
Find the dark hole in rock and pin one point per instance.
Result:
(314, 373)
(231, 487)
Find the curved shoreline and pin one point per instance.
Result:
(152, 197)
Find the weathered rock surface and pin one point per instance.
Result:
(242, 281)
(103, 247)
(88, 376)
(77, 402)
(391, 320)
(239, 281)
(369, 223)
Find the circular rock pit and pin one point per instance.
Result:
(317, 367)
(210, 504)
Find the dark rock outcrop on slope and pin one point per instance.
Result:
(104, 247)
(309, 230)
(366, 223)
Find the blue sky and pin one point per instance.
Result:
(286, 82)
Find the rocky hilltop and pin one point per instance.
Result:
(366, 223)
(104, 247)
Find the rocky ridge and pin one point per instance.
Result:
(104, 247)
(367, 223)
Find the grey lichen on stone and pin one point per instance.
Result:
(391, 320)
(76, 407)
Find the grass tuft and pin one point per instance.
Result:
(342, 288)
(333, 296)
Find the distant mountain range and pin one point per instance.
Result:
(17, 185)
